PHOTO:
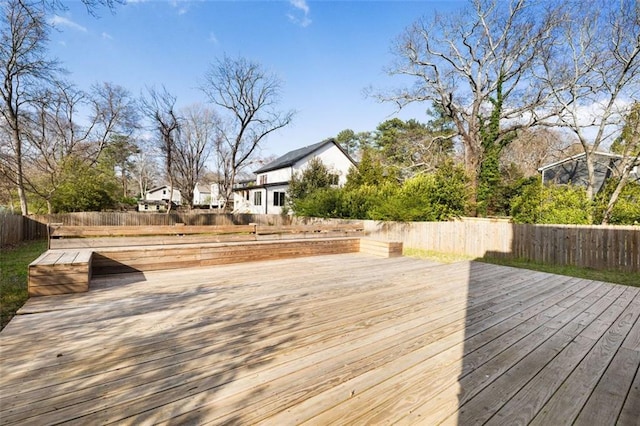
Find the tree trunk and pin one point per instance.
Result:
(22, 195)
(606, 217)
(228, 192)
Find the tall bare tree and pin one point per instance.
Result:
(248, 95)
(475, 65)
(24, 66)
(593, 73)
(628, 146)
(54, 132)
(533, 148)
(160, 108)
(198, 137)
(24, 69)
(144, 167)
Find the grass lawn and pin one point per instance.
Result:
(616, 277)
(13, 276)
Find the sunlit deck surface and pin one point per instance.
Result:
(342, 339)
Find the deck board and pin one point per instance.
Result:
(345, 339)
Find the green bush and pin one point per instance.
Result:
(323, 202)
(85, 187)
(429, 197)
(551, 204)
(626, 211)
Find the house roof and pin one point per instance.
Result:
(206, 189)
(577, 156)
(158, 188)
(292, 157)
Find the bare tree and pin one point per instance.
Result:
(198, 136)
(628, 146)
(159, 107)
(23, 67)
(114, 113)
(594, 73)
(248, 95)
(533, 148)
(54, 134)
(144, 167)
(476, 65)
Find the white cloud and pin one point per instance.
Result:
(303, 10)
(213, 39)
(106, 36)
(61, 21)
(300, 4)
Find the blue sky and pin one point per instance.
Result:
(326, 53)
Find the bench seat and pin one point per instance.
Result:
(60, 272)
(380, 248)
(114, 260)
(77, 252)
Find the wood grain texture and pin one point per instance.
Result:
(60, 272)
(335, 339)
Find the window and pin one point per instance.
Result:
(278, 199)
(257, 198)
(263, 179)
(334, 179)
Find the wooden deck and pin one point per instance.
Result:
(340, 339)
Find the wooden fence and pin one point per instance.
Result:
(151, 219)
(35, 225)
(16, 228)
(597, 247)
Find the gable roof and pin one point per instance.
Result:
(206, 189)
(578, 156)
(292, 157)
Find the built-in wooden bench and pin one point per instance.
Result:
(77, 252)
(59, 272)
(62, 236)
(266, 232)
(380, 248)
(146, 258)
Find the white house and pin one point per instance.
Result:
(208, 195)
(267, 195)
(201, 195)
(156, 199)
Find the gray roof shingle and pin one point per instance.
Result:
(291, 157)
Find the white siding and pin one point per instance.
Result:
(163, 194)
(330, 155)
(333, 158)
(274, 176)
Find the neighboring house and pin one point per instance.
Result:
(201, 195)
(157, 199)
(242, 195)
(268, 193)
(574, 170)
(208, 196)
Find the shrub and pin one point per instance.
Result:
(551, 204)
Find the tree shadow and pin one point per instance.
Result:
(132, 351)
